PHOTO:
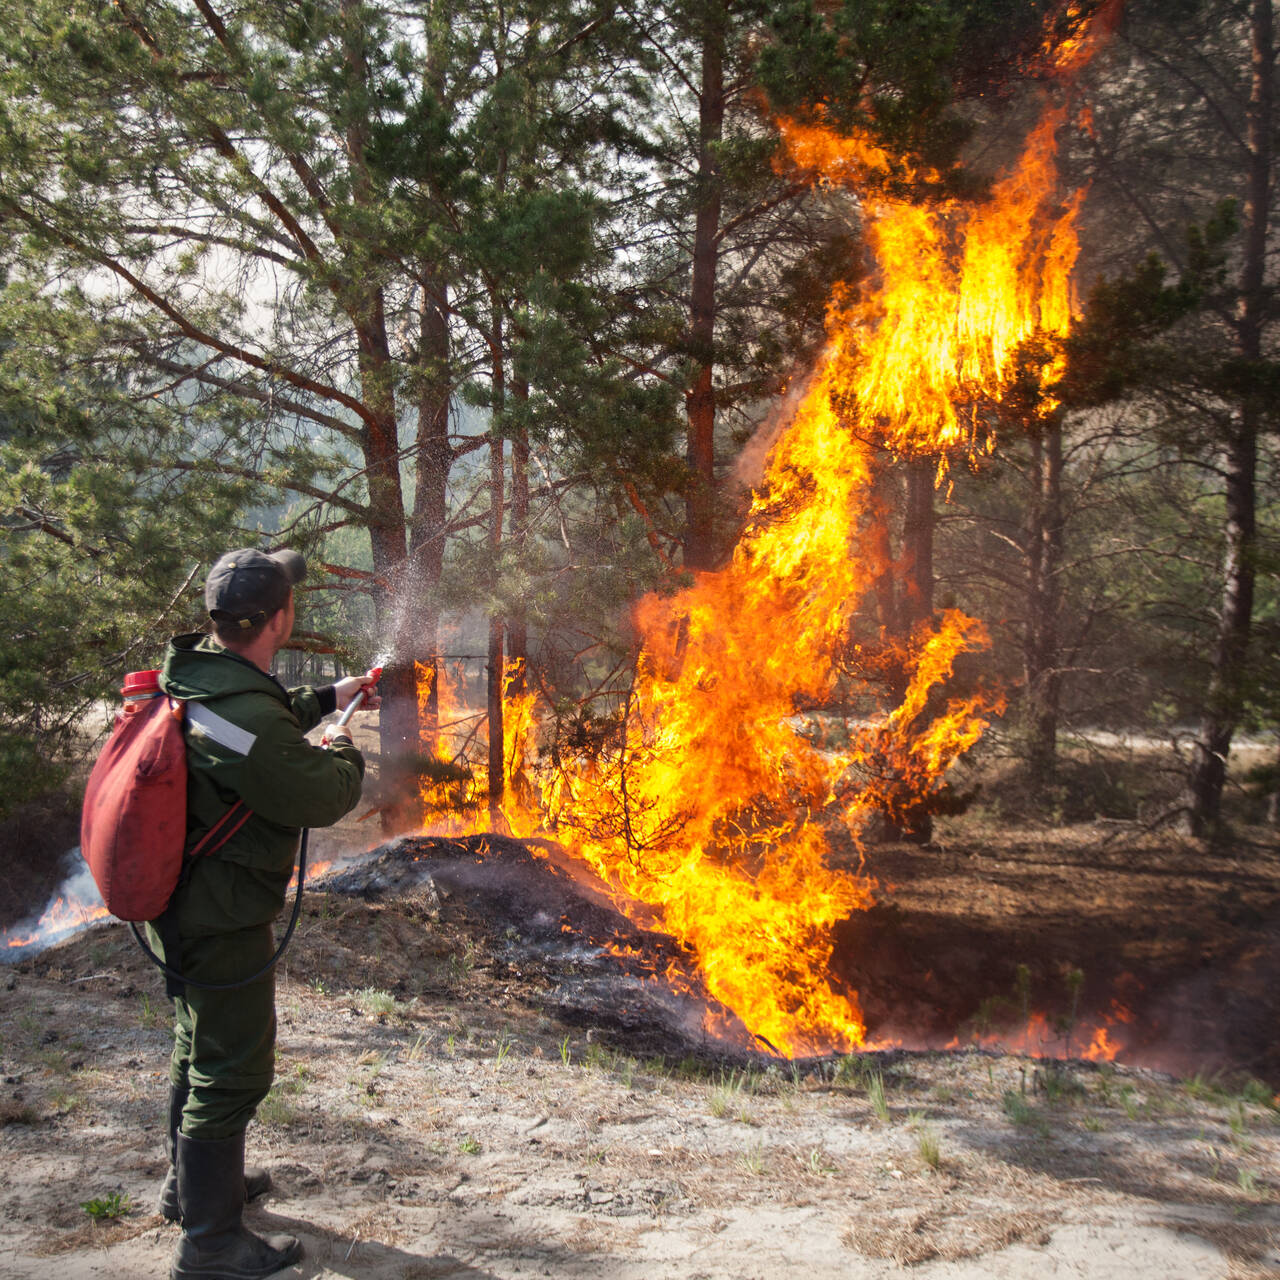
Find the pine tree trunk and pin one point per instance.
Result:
(398, 719)
(917, 541)
(1224, 694)
(433, 456)
(903, 589)
(1042, 678)
(1273, 799)
(433, 460)
(517, 624)
(497, 476)
(700, 400)
(881, 545)
(917, 545)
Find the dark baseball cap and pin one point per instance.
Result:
(246, 586)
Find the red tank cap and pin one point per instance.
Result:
(138, 684)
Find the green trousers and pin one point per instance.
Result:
(224, 1041)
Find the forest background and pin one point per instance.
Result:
(485, 308)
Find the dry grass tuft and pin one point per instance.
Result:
(15, 1111)
(905, 1242)
(947, 1236)
(96, 1235)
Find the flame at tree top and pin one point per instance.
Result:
(715, 803)
(963, 288)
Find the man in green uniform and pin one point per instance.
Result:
(245, 745)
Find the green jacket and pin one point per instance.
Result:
(245, 742)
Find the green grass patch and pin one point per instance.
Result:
(115, 1204)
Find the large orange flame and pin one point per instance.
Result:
(940, 337)
(715, 803)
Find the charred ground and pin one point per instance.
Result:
(1187, 944)
(964, 944)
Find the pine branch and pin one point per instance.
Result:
(790, 192)
(246, 391)
(119, 657)
(203, 237)
(41, 523)
(186, 326)
(245, 473)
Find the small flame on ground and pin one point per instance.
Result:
(314, 871)
(1093, 1040)
(74, 906)
(77, 904)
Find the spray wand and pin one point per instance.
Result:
(372, 677)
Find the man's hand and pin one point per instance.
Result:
(336, 733)
(345, 690)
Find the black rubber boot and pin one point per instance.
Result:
(215, 1244)
(257, 1182)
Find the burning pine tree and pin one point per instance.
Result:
(713, 800)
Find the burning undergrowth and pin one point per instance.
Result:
(1062, 950)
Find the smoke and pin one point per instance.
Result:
(749, 466)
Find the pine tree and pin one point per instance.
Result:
(96, 568)
(1203, 350)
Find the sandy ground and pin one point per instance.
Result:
(434, 1118)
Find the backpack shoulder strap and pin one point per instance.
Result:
(222, 731)
(221, 831)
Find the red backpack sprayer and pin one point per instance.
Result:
(133, 829)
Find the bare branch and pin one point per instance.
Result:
(187, 326)
(41, 523)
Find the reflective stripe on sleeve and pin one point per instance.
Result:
(211, 725)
